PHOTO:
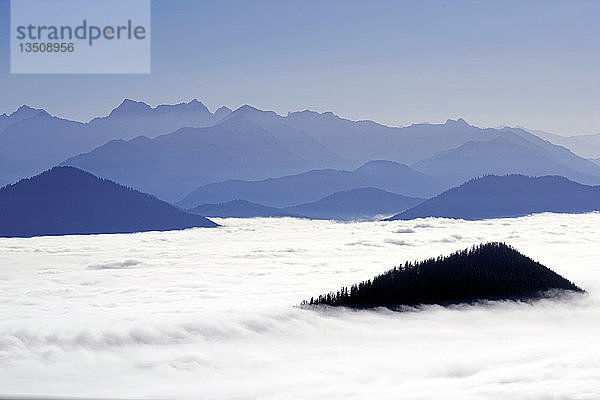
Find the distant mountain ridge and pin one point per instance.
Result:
(170, 150)
(508, 196)
(31, 140)
(240, 209)
(172, 165)
(315, 184)
(20, 114)
(68, 201)
(309, 140)
(355, 204)
(362, 141)
(135, 118)
(586, 146)
(511, 151)
(360, 203)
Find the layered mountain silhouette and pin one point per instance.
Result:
(510, 151)
(508, 196)
(586, 146)
(170, 166)
(314, 185)
(22, 113)
(171, 150)
(66, 200)
(362, 141)
(31, 140)
(351, 204)
(240, 209)
(355, 204)
(492, 271)
(251, 144)
(135, 118)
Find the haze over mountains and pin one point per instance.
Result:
(251, 144)
(587, 146)
(314, 185)
(171, 151)
(361, 203)
(362, 141)
(510, 151)
(65, 201)
(355, 204)
(172, 165)
(31, 140)
(508, 196)
(240, 209)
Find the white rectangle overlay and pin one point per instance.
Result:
(80, 36)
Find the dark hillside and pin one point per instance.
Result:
(492, 271)
(66, 200)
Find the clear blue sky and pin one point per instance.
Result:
(529, 63)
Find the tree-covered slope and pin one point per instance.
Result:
(492, 271)
(508, 196)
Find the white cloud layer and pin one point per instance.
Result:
(209, 313)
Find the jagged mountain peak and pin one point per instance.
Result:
(457, 122)
(24, 111)
(129, 106)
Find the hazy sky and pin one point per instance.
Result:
(529, 63)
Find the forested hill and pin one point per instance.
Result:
(494, 196)
(492, 271)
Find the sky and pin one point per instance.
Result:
(520, 63)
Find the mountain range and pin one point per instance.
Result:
(508, 196)
(68, 201)
(361, 203)
(172, 165)
(509, 151)
(252, 144)
(32, 140)
(241, 209)
(172, 150)
(314, 185)
(586, 146)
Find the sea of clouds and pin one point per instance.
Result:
(212, 314)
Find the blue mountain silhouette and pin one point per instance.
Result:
(240, 209)
(170, 150)
(355, 204)
(251, 144)
(314, 185)
(511, 151)
(241, 146)
(587, 146)
(351, 204)
(31, 140)
(66, 200)
(508, 196)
